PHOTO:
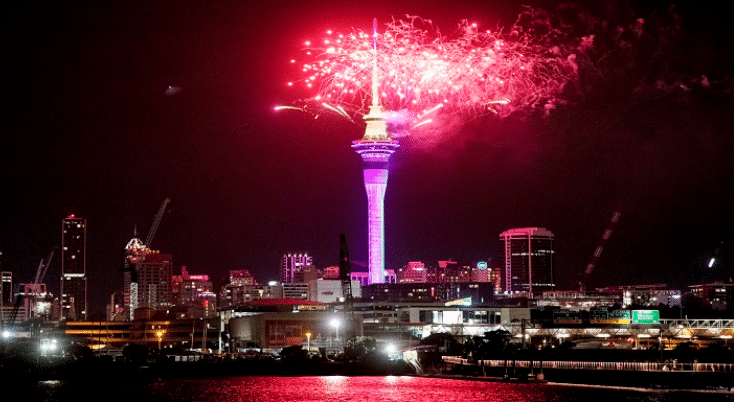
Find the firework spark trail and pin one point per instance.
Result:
(420, 71)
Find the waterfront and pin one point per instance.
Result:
(346, 389)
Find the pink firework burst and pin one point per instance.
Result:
(422, 74)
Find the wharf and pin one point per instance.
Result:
(628, 374)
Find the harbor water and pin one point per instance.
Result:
(346, 389)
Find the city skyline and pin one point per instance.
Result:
(106, 122)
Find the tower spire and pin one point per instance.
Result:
(376, 129)
(375, 85)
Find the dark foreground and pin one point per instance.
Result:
(95, 368)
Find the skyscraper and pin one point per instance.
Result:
(375, 148)
(528, 260)
(73, 268)
(154, 282)
(293, 263)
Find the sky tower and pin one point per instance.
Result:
(375, 149)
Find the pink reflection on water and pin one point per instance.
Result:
(377, 389)
(348, 389)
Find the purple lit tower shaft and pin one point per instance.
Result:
(375, 149)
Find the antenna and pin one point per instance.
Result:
(375, 92)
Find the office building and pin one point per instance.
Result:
(188, 289)
(73, 269)
(293, 263)
(154, 282)
(528, 260)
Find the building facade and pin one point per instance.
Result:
(154, 282)
(234, 294)
(293, 263)
(241, 277)
(188, 289)
(330, 290)
(414, 272)
(480, 293)
(73, 269)
(528, 260)
(716, 295)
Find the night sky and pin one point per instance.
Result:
(90, 127)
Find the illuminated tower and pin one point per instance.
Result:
(74, 269)
(375, 149)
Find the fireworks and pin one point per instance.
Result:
(422, 75)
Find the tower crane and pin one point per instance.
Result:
(344, 274)
(135, 253)
(40, 274)
(600, 247)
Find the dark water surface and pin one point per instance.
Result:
(346, 389)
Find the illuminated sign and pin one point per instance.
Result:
(604, 316)
(482, 265)
(566, 317)
(459, 302)
(645, 317)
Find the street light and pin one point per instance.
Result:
(308, 341)
(159, 335)
(336, 323)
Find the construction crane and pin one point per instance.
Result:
(600, 247)
(344, 274)
(40, 274)
(135, 253)
(43, 266)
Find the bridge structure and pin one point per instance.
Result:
(672, 331)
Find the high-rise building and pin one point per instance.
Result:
(293, 263)
(154, 282)
(189, 289)
(528, 260)
(73, 269)
(6, 286)
(375, 148)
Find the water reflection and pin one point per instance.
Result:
(347, 389)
